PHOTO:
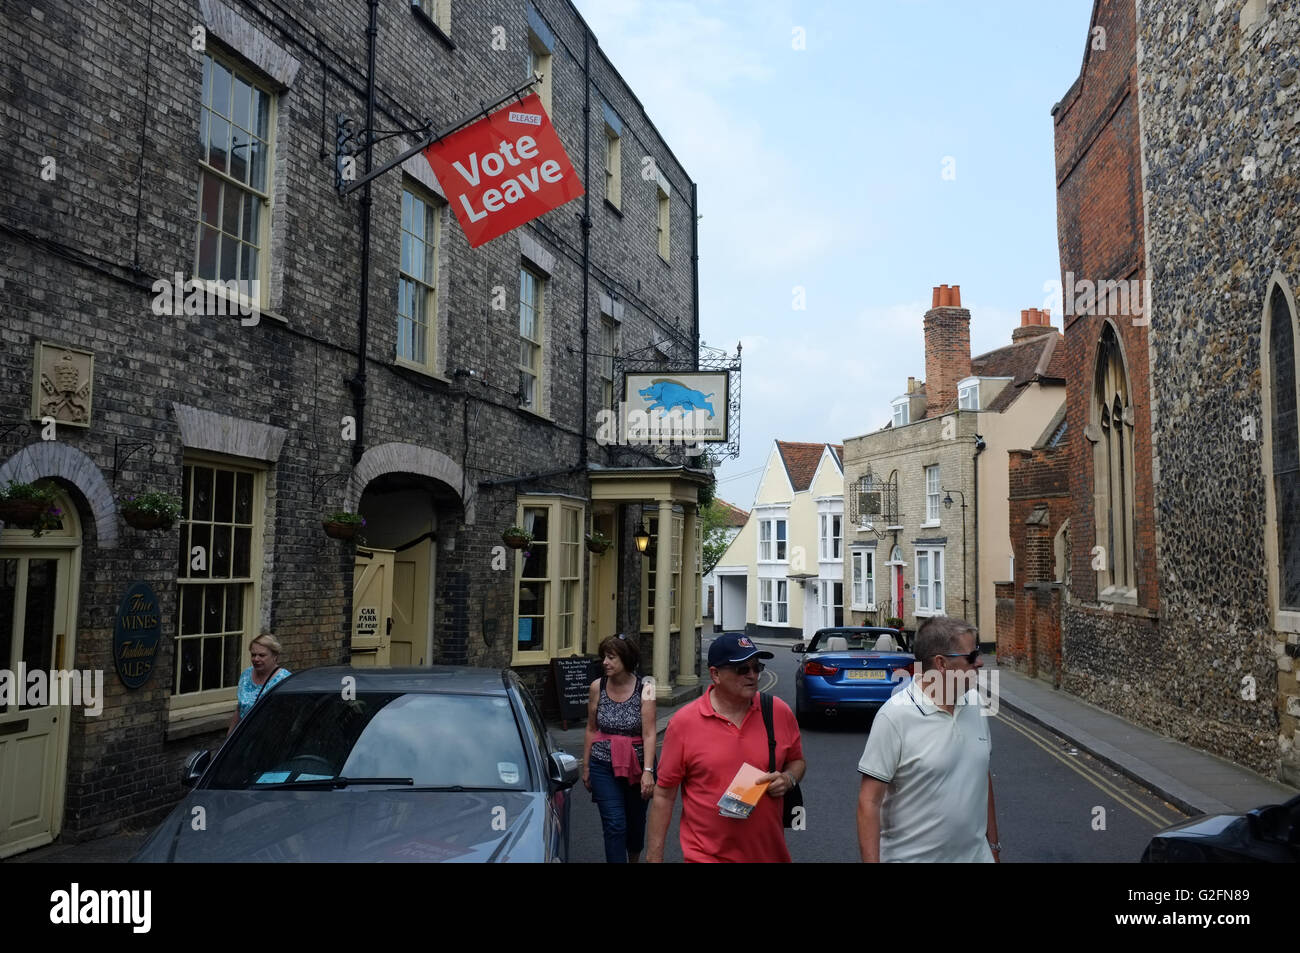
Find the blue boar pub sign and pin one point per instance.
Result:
(136, 634)
(689, 407)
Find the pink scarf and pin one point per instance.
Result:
(622, 755)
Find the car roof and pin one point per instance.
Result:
(441, 679)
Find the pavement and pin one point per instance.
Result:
(1192, 780)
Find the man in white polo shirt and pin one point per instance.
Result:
(927, 793)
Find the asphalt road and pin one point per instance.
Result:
(1054, 803)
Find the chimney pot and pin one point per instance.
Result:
(1047, 317)
(955, 291)
(1024, 317)
(934, 298)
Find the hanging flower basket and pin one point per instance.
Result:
(598, 543)
(516, 537)
(342, 524)
(22, 514)
(28, 506)
(151, 510)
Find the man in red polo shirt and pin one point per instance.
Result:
(705, 745)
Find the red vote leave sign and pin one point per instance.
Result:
(504, 170)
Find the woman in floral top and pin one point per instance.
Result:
(619, 749)
(261, 675)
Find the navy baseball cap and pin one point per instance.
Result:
(732, 648)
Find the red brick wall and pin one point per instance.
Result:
(1039, 504)
(1100, 232)
(947, 356)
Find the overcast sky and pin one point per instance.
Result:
(908, 144)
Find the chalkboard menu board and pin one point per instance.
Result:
(573, 677)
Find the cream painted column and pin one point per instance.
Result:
(663, 599)
(690, 591)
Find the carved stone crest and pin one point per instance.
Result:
(63, 383)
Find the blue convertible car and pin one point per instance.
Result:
(848, 669)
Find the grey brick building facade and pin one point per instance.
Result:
(111, 182)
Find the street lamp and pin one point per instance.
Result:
(642, 538)
(947, 504)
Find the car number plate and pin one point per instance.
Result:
(862, 673)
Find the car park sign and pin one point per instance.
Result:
(504, 170)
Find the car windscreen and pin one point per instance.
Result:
(856, 641)
(442, 741)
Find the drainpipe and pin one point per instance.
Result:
(585, 223)
(695, 274)
(979, 448)
(358, 383)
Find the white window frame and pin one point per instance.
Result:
(247, 294)
(438, 11)
(765, 613)
(559, 579)
(773, 541)
(782, 602)
(540, 60)
(427, 287)
(608, 346)
(968, 394)
(931, 593)
(613, 167)
(837, 537)
(932, 495)
(252, 583)
(862, 566)
(663, 223)
(538, 309)
(901, 407)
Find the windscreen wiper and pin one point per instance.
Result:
(325, 783)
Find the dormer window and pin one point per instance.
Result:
(900, 412)
(968, 394)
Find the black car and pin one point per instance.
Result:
(373, 764)
(1267, 834)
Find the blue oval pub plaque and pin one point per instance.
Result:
(136, 634)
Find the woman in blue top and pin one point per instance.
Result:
(261, 675)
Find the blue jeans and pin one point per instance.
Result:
(622, 812)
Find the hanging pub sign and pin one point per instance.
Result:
(136, 634)
(662, 408)
(504, 170)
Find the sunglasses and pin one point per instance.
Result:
(744, 669)
(968, 656)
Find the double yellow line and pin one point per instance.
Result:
(1094, 778)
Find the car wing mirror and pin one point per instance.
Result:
(195, 765)
(563, 769)
(797, 648)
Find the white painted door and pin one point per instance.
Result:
(34, 632)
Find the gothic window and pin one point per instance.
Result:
(1113, 476)
(1285, 440)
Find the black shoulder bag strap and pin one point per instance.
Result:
(272, 675)
(794, 796)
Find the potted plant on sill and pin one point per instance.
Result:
(151, 510)
(516, 537)
(598, 542)
(29, 506)
(894, 622)
(342, 525)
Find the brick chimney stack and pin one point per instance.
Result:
(947, 348)
(1033, 323)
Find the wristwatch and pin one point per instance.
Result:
(995, 846)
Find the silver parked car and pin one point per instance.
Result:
(372, 764)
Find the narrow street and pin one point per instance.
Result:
(1048, 794)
